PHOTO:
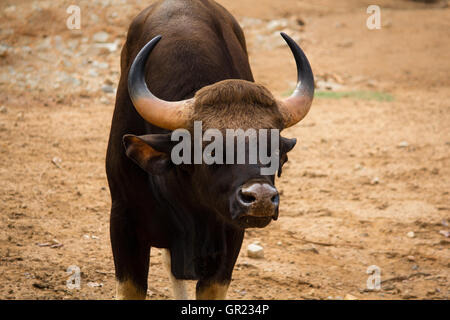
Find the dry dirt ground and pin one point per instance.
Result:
(367, 184)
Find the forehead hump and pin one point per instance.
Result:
(236, 104)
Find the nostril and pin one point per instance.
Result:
(275, 199)
(246, 198)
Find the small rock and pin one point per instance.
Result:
(250, 22)
(328, 85)
(415, 267)
(403, 144)
(445, 233)
(40, 285)
(411, 234)
(100, 65)
(350, 297)
(108, 89)
(10, 9)
(93, 73)
(255, 251)
(100, 37)
(44, 244)
(104, 100)
(411, 258)
(110, 47)
(4, 50)
(275, 25)
(20, 116)
(372, 83)
(57, 161)
(3, 109)
(375, 181)
(300, 21)
(94, 284)
(310, 248)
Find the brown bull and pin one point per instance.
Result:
(199, 71)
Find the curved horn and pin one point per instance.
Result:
(297, 105)
(164, 114)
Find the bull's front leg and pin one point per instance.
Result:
(178, 286)
(212, 290)
(131, 256)
(216, 288)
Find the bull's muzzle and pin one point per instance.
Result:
(258, 202)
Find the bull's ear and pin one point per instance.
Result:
(286, 145)
(150, 152)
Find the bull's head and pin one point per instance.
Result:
(238, 192)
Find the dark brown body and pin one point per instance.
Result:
(202, 45)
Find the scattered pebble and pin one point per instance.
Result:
(350, 297)
(44, 244)
(411, 234)
(40, 285)
(275, 25)
(110, 47)
(3, 109)
(328, 85)
(445, 233)
(255, 251)
(10, 9)
(100, 65)
(411, 258)
(94, 284)
(87, 237)
(375, 181)
(53, 244)
(310, 248)
(4, 50)
(108, 89)
(57, 161)
(100, 37)
(93, 73)
(403, 144)
(104, 100)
